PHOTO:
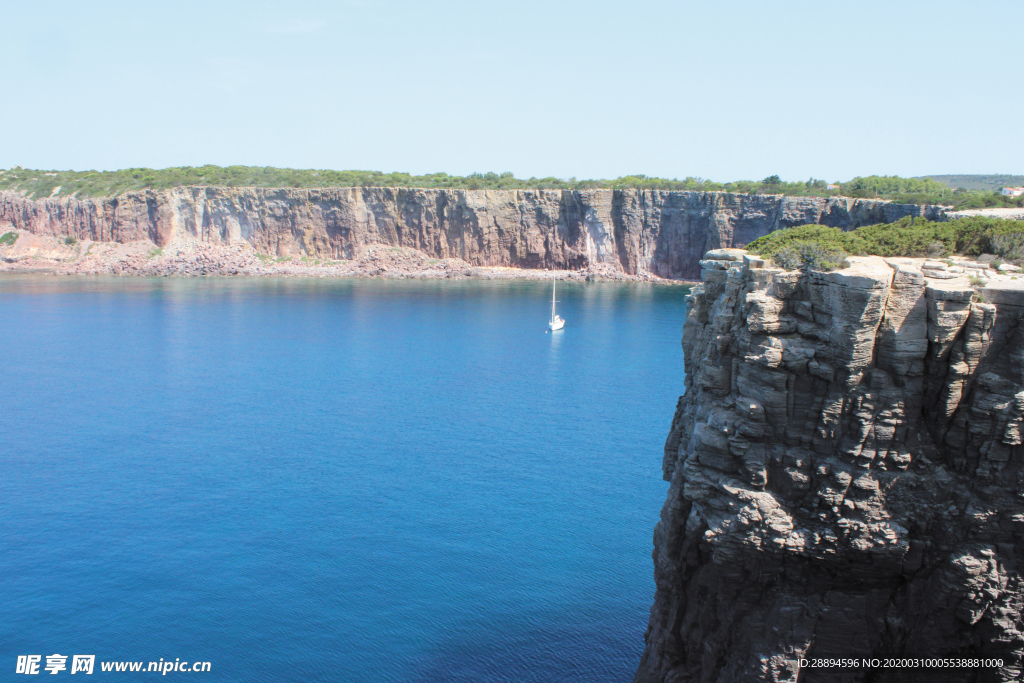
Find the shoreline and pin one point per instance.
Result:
(36, 254)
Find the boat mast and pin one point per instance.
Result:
(552, 296)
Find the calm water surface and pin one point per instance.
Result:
(310, 480)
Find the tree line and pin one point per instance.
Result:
(37, 183)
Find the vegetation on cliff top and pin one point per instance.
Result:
(38, 184)
(995, 181)
(811, 254)
(823, 247)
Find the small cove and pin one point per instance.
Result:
(335, 480)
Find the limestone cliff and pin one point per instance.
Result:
(847, 475)
(635, 231)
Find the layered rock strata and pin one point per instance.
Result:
(636, 232)
(847, 475)
(30, 253)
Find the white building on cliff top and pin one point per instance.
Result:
(1013, 191)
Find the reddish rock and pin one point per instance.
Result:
(635, 232)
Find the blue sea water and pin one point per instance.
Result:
(316, 480)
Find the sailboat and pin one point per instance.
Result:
(556, 322)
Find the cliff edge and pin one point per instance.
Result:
(847, 475)
(635, 232)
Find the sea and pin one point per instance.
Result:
(332, 480)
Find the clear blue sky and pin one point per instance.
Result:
(717, 89)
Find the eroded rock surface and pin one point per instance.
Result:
(635, 232)
(32, 253)
(847, 475)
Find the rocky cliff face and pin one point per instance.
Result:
(847, 475)
(635, 231)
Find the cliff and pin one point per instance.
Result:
(847, 475)
(636, 232)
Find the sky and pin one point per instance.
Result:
(718, 89)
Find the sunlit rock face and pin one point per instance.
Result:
(634, 231)
(847, 475)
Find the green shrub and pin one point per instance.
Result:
(977, 281)
(153, 253)
(70, 241)
(979, 235)
(916, 237)
(906, 237)
(810, 255)
(828, 238)
(8, 238)
(1009, 246)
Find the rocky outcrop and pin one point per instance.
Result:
(847, 476)
(636, 232)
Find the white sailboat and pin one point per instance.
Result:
(556, 322)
